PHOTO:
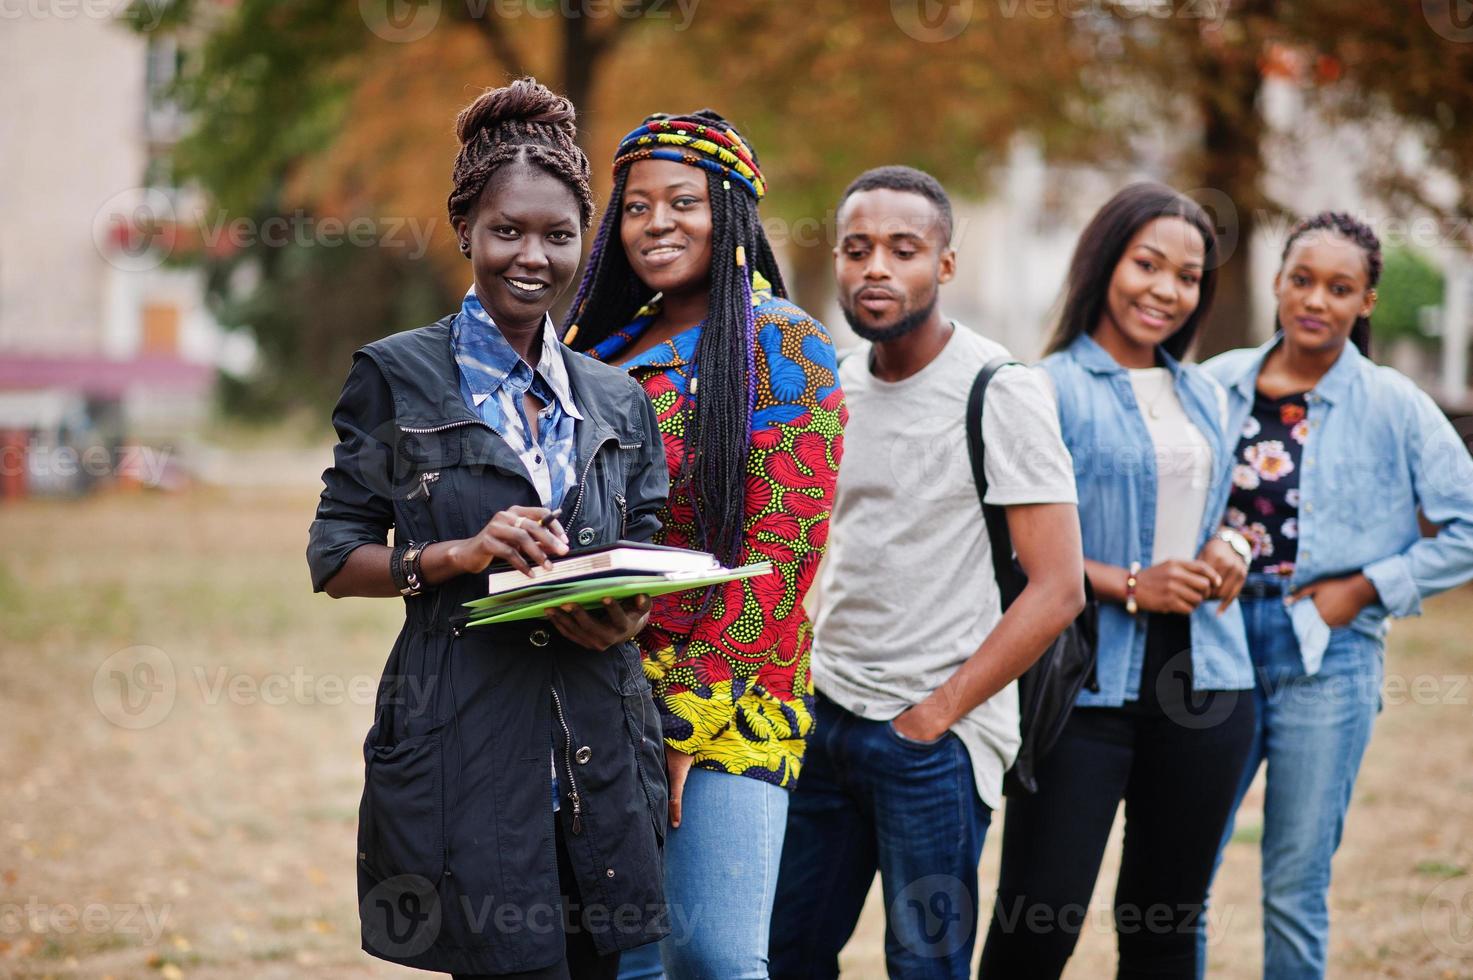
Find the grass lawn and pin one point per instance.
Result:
(208, 830)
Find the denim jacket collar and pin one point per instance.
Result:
(1333, 387)
(1095, 359)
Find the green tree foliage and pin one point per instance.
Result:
(307, 105)
(1408, 283)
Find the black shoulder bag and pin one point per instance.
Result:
(1048, 689)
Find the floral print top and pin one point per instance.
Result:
(1264, 503)
(733, 685)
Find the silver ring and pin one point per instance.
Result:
(518, 522)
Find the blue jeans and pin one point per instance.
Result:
(872, 799)
(720, 874)
(1312, 732)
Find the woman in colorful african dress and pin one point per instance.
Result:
(683, 292)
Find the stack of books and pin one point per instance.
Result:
(586, 578)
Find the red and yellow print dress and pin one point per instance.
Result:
(733, 687)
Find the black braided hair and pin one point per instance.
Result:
(1358, 233)
(522, 121)
(714, 467)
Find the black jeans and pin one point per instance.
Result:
(581, 960)
(1175, 758)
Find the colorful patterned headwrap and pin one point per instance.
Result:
(717, 149)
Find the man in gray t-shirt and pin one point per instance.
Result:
(916, 712)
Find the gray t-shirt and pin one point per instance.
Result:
(907, 592)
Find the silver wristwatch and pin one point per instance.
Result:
(1238, 543)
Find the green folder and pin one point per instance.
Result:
(533, 600)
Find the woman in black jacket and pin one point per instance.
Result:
(512, 818)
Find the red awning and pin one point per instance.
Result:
(101, 377)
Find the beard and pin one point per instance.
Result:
(894, 331)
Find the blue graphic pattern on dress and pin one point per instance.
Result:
(493, 380)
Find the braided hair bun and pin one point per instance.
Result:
(522, 121)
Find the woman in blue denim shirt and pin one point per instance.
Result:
(1167, 727)
(1336, 455)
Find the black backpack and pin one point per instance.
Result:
(1048, 689)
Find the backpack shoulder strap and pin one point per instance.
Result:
(1008, 579)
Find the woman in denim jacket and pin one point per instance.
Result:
(1336, 455)
(1167, 726)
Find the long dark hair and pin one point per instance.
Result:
(1353, 231)
(714, 467)
(1102, 243)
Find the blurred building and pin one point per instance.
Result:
(102, 340)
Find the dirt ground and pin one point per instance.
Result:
(180, 750)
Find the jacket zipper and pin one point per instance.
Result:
(423, 489)
(583, 483)
(425, 479)
(623, 513)
(568, 763)
(441, 428)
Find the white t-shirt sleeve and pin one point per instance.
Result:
(1023, 451)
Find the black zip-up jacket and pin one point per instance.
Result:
(456, 863)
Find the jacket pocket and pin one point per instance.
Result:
(401, 822)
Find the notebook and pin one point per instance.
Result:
(618, 558)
